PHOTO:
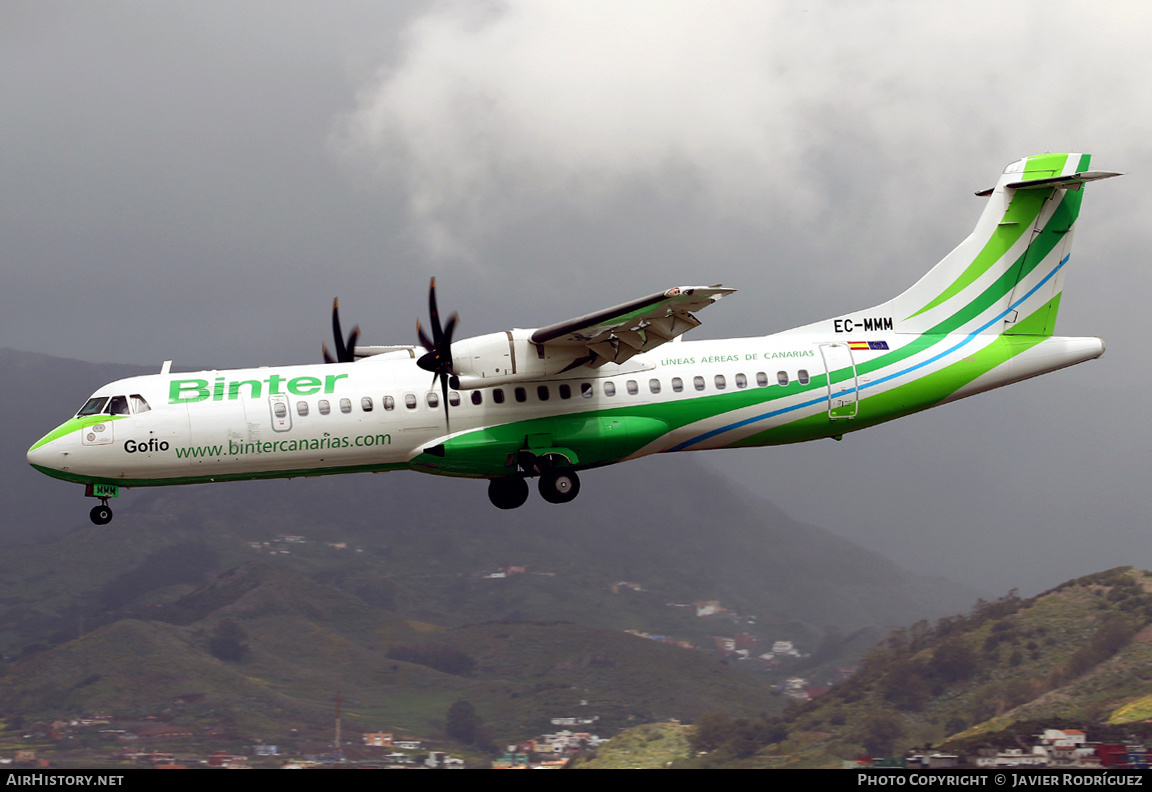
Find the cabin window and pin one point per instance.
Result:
(93, 406)
(782, 377)
(721, 383)
(586, 390)
(609, 388)
(542, 392)
(410, 401)
(433, 399)
(761, 379)
(654, 385)
(454, 398)
(366, 403)
(477, 397)
(521, 394)
(139, 405)
(633, 388)
(280, 410)
(677, 384)
(698, 383)
(301, 408)
(565, 391)
(802, 376)
(345, 405)
(389, 403)
(498, 395)
(741, 381)
(324, 407)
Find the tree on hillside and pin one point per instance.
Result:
(229, 642)
(879, 731)
(464, 725)
(713, 729)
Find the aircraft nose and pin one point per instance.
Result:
(49, 452)
(42, 454)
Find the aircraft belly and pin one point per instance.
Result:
(587, 439)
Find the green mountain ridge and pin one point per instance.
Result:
(303, 642)
(1079, 655)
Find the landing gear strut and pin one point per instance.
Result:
(102, 514)
(557, 484)
(509, 492)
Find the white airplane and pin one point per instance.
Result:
(606, 387)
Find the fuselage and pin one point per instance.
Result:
(384, 413)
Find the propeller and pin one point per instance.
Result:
(345, 351)
(438, 359)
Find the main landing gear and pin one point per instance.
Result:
(557, 485)
(508, 493)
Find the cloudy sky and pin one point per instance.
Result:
(196, 181)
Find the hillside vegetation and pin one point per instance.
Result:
(1080, 654)
(262, 652)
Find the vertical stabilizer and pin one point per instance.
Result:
(1007, 276)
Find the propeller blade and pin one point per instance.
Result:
(424, 342)
(438, 358)
(434, 314)
(350, 347)
(444, 395)
(345, 351)
(449, 330)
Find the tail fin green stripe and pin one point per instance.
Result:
(1019, 217)
(1045, 166)
(1040, 323)
(1045, 242)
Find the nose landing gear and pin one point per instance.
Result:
(102, 514)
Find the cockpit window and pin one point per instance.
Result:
(94, 406)
(115, 405)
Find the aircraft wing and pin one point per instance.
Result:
(616, 334)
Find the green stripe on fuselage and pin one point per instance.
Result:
(263, 474)
(921, 393)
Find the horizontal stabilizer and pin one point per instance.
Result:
(1072, 182)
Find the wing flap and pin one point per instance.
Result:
(616, 334)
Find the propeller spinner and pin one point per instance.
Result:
(345, 351)
(438, 359)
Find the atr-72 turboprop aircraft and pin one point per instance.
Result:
(605, 387)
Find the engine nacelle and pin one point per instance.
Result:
(500, 358)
